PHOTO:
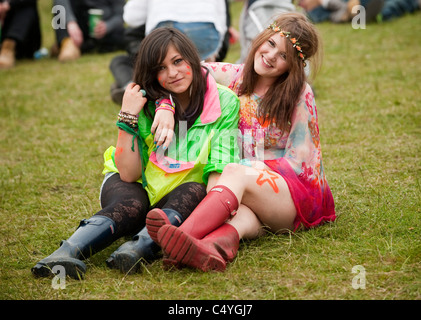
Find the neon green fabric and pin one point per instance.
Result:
(208, 146)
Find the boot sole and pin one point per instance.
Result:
(73, 268)
(171, 263)
(155, 219)
(183, 248)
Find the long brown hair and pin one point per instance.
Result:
(152, 53)
(281, 98)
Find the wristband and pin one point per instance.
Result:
(165, 106)
(164, 100)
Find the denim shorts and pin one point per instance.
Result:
(203, 34)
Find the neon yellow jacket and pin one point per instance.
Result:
(208, 146)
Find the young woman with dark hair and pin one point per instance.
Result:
(139, 175)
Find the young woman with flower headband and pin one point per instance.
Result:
(280, 184)
(139, 175)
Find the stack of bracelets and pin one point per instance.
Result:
(130, 119)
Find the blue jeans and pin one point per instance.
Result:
(203, 34)
(319, 14)
(396, 8)
(391, 9)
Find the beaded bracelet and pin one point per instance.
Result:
(165, 106)
(129, 119)
(127, 115)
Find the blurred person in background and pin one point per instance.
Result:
(76, 38)
(255, 15)
(20, 31)
(340, 11)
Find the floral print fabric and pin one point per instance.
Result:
(296, 155)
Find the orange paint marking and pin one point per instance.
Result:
(269, 177)
(118, 151)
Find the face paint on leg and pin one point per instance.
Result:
(269, 177)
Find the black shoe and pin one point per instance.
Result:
(129, 256)
(73, 267)
(91, 236)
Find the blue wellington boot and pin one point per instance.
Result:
(92, 235)
(128, 256)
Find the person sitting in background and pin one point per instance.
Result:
(122, 66)
(20, 31)
(76, 38)
(393, 9)
(206, 23)
(339, 11)
(203, 21)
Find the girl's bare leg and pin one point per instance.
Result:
(261, 192)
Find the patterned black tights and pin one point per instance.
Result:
(127, 204)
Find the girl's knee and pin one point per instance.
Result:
(233, 169)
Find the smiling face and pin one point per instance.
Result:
(270, 58)
(175, 73)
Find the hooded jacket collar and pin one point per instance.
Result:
(211, 106)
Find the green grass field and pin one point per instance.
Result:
(56, 120)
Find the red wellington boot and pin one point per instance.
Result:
(218, 205)
(210, 253)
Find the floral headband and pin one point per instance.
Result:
(294, 41)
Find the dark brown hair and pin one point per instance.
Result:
(152, 53)
(281, 98)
